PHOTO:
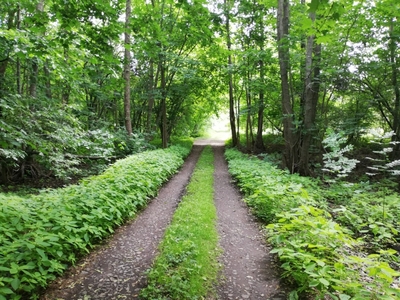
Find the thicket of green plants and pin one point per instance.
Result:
(51, 143)
(332, 240)
(41, 235)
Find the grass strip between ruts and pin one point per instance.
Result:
(187, 267)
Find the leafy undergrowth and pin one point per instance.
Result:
(186, 267)
(40, 235)
(324, 246)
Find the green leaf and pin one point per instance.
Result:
(313, 283)
(15, 283)
(344, 297)
(41, 253)
(4, 290)
(307, 23)
(324, 281)
(14, 268)
(313, 5)
(323, 39)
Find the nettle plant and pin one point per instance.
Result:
(335, 161)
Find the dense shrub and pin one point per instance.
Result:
(43, 141)
(269, 190)
(42, 234)
(318, 251)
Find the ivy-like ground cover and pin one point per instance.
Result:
(41, 235)
(187, 265)
(324, 255)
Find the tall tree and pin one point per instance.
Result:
(310, 100)
(127, 68)
(232, 119)
(289, 134)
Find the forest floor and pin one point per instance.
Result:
(117, 268)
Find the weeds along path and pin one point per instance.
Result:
(249, 270)
(116, 270)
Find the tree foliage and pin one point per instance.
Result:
(293, 68)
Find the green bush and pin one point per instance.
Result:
(269, 190)
(42, 234)
(376, 218)
(317, 252)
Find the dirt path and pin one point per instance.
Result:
(117, 269)
(249, 269)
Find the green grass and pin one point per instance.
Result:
(187, 267)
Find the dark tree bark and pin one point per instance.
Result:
(18, 66)
(127, 70)
(66, 87)
(259, 144)
(164, 132)
(33, 78)
(311, 92)
(11, 22)
(310, 101)
(150, 104)
(47, 74)
(260, 120)
(396, 89)
(231, 98)
(249, 120)
(291, 139)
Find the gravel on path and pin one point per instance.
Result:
(117, 269)
(249, 270)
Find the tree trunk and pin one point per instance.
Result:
(163, 83)
(260, 121)
(127, 70)
(396, 89)
(307, 111)
(47, 80)
(151, 97)
(290, 155)
(18, 66)
(33, 78)
(249, 124)
(66, 87)
(311, 93)
(231, 99)
(4, 60)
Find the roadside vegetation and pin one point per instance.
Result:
(75, 96)
(187, 267)
(333, 240)
(41, 235)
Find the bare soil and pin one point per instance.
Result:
(117, 269)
